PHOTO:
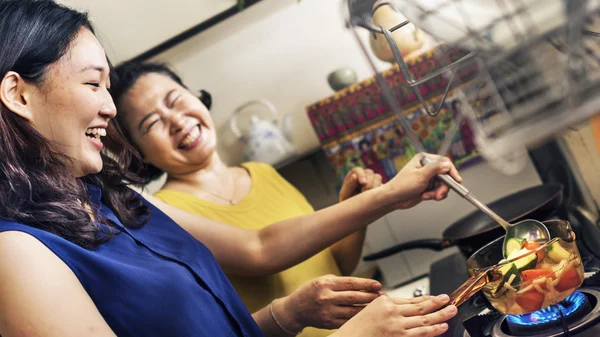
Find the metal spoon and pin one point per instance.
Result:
(528, 229)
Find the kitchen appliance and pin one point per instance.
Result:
(531, 281)
(264, 141)
(476, 318)
(557, 162)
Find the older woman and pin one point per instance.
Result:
(252, 195)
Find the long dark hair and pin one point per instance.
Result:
(123, 78)
(34, 189)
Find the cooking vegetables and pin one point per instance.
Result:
(557, 253)
(533, 245)
(569, 279)
(512, 245)
(511, 276)
(531, 300)
(534, 276)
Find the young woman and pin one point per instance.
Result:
(83, 255)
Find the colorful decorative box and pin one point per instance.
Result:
(356, 126)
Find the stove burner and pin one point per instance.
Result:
(574, 307)
(549, 315)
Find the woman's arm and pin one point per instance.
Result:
(288, 242)
(347, 252)
(40, 295)
(326, 302)
(284, 244)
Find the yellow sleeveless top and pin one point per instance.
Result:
(271, 199)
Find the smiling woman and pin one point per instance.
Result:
(72, 232)
(52, 95)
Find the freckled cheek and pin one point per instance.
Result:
(71, 109)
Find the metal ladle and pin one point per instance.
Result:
(528, 229)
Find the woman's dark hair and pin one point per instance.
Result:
(34, 189)
(123, 78)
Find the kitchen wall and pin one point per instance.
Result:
(283, 51)
(129, 28)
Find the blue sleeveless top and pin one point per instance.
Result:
(154, 281)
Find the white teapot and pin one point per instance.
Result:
(264, 141)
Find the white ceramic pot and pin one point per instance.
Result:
(408, 38)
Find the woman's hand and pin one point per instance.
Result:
(413, 183)
(347, 251)
(392, 317)
(326, 302)
(359, 180)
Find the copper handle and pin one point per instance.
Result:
(469, 288)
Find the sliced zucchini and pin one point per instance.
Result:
(508, 271)
(513, 244)
(526, 262)
(557, 253)
(515, 268)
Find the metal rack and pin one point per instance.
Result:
(536, 79)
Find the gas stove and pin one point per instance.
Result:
(579, 314)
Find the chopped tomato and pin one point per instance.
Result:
(530, 301)
(533, 245)
(569, 279)
(532, 274)
(530, 245)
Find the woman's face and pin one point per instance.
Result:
(72, 106)
(170, 126)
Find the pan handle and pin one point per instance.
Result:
(470, 287)
(434, 244)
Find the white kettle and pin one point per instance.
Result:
(264, 141)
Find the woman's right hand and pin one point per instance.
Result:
(326, 302)
(392, 317)
(413, 183)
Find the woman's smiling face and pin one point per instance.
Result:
(72, 106)
(170, 126)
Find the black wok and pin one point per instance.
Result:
(477, 229)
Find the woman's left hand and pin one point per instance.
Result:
(326, 302)
(359, 180)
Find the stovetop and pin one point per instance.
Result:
(449, 273)
(580, 322)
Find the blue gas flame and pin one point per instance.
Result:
(550, 314)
